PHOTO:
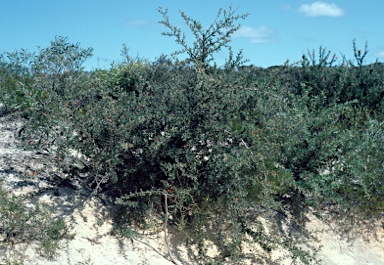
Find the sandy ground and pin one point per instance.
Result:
(94, 243)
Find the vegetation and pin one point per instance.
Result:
(22, 224)
(208, 147)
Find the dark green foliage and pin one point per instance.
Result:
(215, 148)
(340, 83)
(362, 171)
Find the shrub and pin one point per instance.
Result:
(362, 172)
(340, 83)
(22, 224)
(321, 136)
(15, 81)
(210, 147)
(185, 143)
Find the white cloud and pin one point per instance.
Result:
(262, 34)
(318, 9)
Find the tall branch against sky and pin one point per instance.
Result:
(207, 40)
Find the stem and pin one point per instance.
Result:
(165, 229)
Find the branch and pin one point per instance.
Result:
(165, 229)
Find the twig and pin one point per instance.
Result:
(245, 144)
(165, 229)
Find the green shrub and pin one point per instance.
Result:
(184, 142)
(215, 147)
(362, 172)
(340, 83)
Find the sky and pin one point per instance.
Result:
(275, 30)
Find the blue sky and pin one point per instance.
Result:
(275, 30)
